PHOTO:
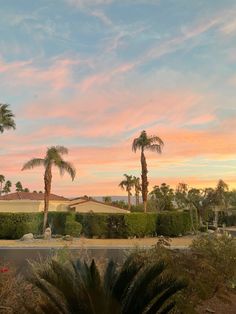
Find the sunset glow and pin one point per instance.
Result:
(91, 75)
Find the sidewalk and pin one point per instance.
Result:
(94, 243)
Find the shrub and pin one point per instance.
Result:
(141, 224)
(57, 221)
(116, 226)
(15, 225)
(173, 223)
(73, 228)
(225, 218)
(94, 225)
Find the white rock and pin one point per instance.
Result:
(48, 234)
(27, 237)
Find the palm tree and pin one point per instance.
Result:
(136, 287)
(2, 179)
(6, 118)
(127, 184)
(53, 158)
(145, 142)
(138, 189)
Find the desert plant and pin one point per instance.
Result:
(80, 288)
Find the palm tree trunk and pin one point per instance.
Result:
(129, 200)
(0, 188)
(137, 198)
(144, 180)
(47, 191)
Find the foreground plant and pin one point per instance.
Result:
(53, 158)
(80, 287)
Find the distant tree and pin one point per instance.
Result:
(19, 187)
(107, 199)
(221, 195)
(26, 190)
(143, 143)
(7, 187)
(121, 204)
(138, 189)
(181, 195)
(6, 118)
(163, 196)
(202, 200)
(2, 180)
(127, 184)
(53, 158)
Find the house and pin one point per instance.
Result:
(34, 202)
(87, 205)
(31, 202)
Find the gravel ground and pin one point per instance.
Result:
(175, 242)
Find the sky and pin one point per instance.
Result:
(92, 74)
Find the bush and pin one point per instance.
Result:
(141, 224)
(225, 218)
(57, 221)
(72, 227)
(94, 225)
(15, 225)
(173, 223)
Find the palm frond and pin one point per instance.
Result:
(35, 162)
(65, 166)
(155, 148)
(6, 118)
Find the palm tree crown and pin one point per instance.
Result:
(6, 118)
(145, 142)
(53, 158)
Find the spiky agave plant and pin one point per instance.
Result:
(80, 288)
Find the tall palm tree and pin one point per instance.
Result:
(127, 184)
(79, 287)
(53, 158)
(6, 118)
(138, 189)
(145, 142)
(2, 180)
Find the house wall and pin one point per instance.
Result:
(17, 206)
(21, 206)
(97, 208)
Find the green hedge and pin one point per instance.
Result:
(173, 223)
(15, 225)
(140, 224)
(228, 220)
(72, 227)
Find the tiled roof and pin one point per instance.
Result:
(30, 196)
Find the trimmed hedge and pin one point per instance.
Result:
(171, 223)
(140, 224)
(15, 225)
